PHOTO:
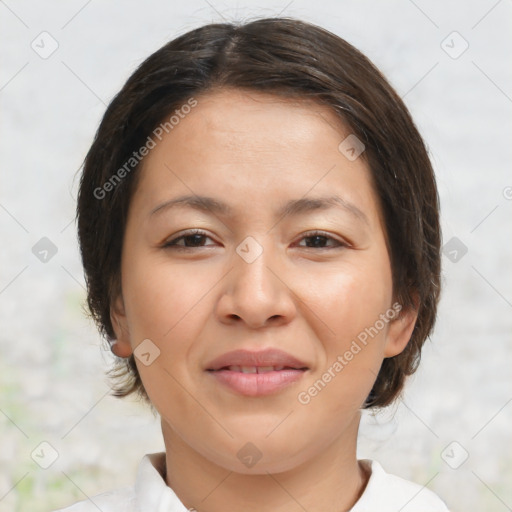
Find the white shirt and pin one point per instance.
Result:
(383, 493)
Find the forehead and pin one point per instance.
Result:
(244, 144)
(235, 118)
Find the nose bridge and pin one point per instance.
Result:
(252, 266)
(253, 292)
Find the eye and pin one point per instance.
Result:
(190, 239)
(196, 239)
(318, 239)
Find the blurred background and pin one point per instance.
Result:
(62, 437)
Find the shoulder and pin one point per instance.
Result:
(390, 493)
(148, 492)
(112, 501)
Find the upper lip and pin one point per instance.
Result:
(268, 357)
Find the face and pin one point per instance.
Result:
(247, 311)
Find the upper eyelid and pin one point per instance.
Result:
(312, 233)
(184, 234)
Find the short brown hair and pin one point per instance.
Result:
(290, 58)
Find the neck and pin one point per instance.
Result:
(332, 480)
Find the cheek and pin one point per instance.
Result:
(349, 301)
(169, 305)
(165, 304)
(351, 298)
(161, 297)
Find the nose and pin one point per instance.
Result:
(256, 293)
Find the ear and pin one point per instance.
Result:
(400, 329)
(121, 345)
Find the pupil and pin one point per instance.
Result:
(318, 240)
(196, 239)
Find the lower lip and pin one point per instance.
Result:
(257, 384)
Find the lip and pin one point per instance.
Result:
(268, 357)
(226, 370)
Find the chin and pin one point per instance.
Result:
(259, 457)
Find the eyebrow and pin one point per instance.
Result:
(292, 207)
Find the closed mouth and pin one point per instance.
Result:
(256, 369)
(257, 379)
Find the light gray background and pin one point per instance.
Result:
(51, 366)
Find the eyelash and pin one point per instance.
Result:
(171, 244)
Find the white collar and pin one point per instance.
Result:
(151, 491)
(383, 492)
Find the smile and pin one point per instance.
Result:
(257, 381)
(256, 372)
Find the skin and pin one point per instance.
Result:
(255, 152)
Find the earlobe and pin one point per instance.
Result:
(121, 345)
(400, 331)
